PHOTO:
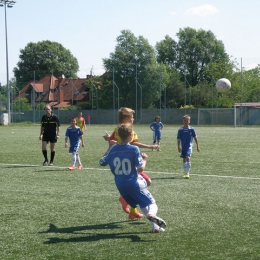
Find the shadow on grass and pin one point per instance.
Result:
(50, 169)
(168, 178)
(40, 168)
(92, 237)
(21, 166)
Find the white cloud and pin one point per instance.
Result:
(202, 10)
(251, 66)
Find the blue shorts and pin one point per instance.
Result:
(142, 197)
(74, 149)
(157, 135)
(186, 153)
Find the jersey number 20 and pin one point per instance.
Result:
(122, 167)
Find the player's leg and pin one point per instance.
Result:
(44, 152)
(150, 208)
(157, 223)
(159, 144)
(132, 211)
(79, 161)
(52, 147)
(186, 167)
(73, 160)
(125, 205)
(158, 137)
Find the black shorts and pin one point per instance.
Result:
(49, 138)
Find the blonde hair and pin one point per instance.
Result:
(186, 116)
(123, 113)
(46, 107)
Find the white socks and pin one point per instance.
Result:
(151, 209)
(186, 166)
(75, 158)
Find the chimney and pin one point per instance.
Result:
(61, 95)
(60, 90)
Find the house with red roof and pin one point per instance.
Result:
(57, 92)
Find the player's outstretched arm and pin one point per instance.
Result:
(140, 145)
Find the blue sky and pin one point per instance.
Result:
(89, 28)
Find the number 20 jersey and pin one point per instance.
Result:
(123, 160)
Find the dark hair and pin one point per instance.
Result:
(156, 118)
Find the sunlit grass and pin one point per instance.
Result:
(51, 213)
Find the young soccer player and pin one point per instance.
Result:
(156, 127)
(50, 132)
(74, 134)
(185, 137)
(126, 161)
(81, 122)
(126, 115)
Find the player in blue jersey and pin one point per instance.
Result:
(74, 134)
(126, 161)
(185, 137)
(156, 127)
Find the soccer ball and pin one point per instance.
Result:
(223, 85)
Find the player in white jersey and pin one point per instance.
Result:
(185, 137)
(74, 134)
(126, 161)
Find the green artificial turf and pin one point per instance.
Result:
(52, 213)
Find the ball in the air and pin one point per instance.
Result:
(223, 85)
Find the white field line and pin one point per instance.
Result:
(168, 173)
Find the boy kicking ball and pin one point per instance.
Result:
(126, 161)
(125, 116)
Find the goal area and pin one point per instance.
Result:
(241, 114)
(215, 116)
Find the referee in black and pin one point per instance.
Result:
(50, 132)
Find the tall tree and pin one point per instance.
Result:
(195, 53)
(133, 67)
(44, 58)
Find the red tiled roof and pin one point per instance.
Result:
(51, 90)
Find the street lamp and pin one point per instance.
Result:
(9, 4)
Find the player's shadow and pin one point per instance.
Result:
(167, 178)
(44, 169)
(22, 166)
(49, 169)
(92, 236)
(73, 230)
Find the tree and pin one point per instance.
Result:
(22, 104)
(197, 51)
(44, 58)
(193, 54)
(167, 51)
(134, 70)
(200, 59)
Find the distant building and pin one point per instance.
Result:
(58, 93)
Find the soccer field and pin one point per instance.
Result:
(52, 213)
